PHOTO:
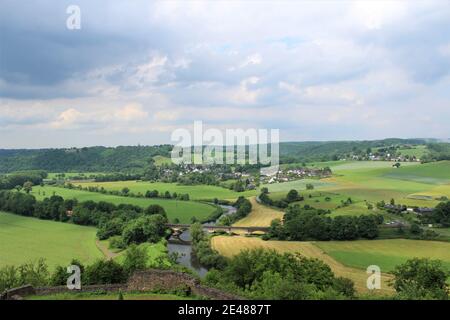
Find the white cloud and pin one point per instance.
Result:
(312, 69)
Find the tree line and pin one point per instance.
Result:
(306, 223)
(127, 223)
(18, 179)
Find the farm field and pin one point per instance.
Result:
(183, 210)
(297, 185)
(417, 151)
(229, 246)
(160, 160)
(23, 239)
(405, 184)
(385, 253)
(196, 192)
(260, 216)
(432, 173)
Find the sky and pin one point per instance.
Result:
(138, 70)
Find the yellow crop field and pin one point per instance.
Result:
(261, 216)
(229, 246)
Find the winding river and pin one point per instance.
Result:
(184, 248)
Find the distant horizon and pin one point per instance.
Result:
(158, 144)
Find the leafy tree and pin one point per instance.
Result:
(145, 229)
(28, 186)
(155, 209)
(104, 272)
(135, 259)
(415, 229)
(421, 279)
(292, 196)
(110, 228)
(309, 186)
(368, 226)
(441, 213)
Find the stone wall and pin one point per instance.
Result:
(17, 292)
(166, 280)
(149, 280)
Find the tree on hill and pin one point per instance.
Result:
(292, 196)
(145, 229)
(421, 279)
(155, 209)
(125, 191)
(28, 186)
(441, 213)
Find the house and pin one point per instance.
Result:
(424, 210)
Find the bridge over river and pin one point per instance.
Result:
(179, 228)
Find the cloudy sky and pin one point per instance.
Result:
(137, 70)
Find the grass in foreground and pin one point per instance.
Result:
(23, 239)
(183, 210)
(385, 253)
(109, 296)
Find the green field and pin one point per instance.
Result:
(196, 192)
(385, 253)
(417, 151)
(413, 184)
(431, 173)
(23, 239)
(160, 160)
(374, 183)
(296, 184)
(183, 210)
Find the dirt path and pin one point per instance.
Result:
(106, 252)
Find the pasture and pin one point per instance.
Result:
(416, 151)
(161, 160)
(405, 184)
(385, 253)
(23, 239)
(183, 210)
(196, 192)
(230, 246)
(297, 185)
(431, 173)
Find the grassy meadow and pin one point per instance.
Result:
(183, 210)
(385, 253)
(23, 239)
(376, 181)
(196, 192)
